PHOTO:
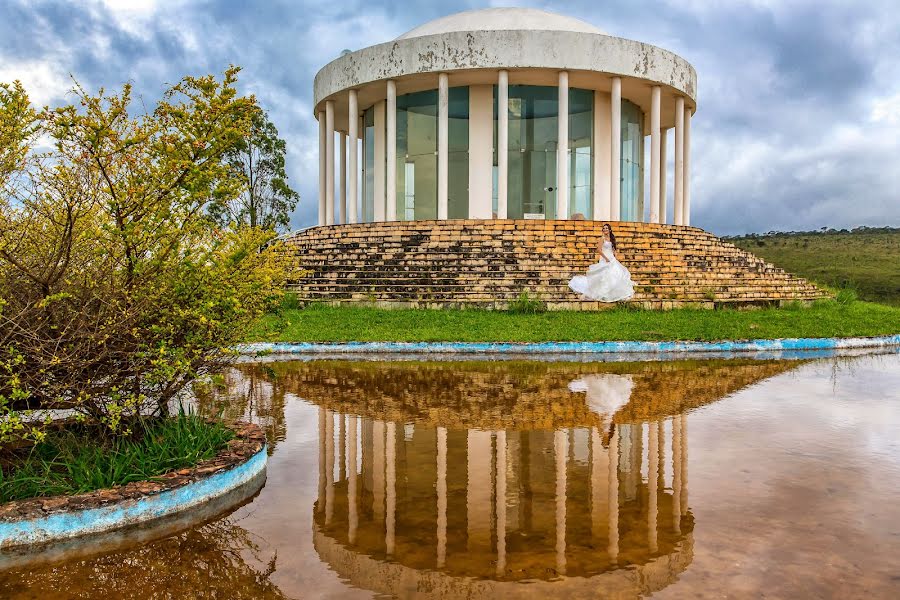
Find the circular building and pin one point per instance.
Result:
(503, 113)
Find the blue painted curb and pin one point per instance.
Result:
(789, 344)
(70, 524)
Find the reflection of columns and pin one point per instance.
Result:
(391, 476)
(598, 501)
(662, 175)
(342, 215)
(329, 466)
(661, 462)
(342, 447)
(654, 153)
(500, 502)
(379, 163)
(561, 448)
(684, 465)
(562, 152)
(652, 482)
(676, 473)
(378, 471)
(353, 131)
(329, 162)
(322, 167)
(615, 155)
(679, 160)
(321, 458)
(443, 144)
(479, 489)
(391, 175)
(441, 496)
(502, 143)
(686, 211)
(352, 514)
(613, 548)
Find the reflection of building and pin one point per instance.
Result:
(415, 507)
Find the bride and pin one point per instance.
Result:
(607, 280)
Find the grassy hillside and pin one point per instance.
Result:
(865, 259)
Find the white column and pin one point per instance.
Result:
(684, 464)
(379, 163)
(329, 466)
(502, 143)
(353, 131)
(500, 502)
(601, 149)
(654, 153)
(560, 447)
(329, 162)
(676, 474)
(321, 458)
(679, 161)
(322, 155)
(481, 151)
(342, 446)
(479, 507)
(687, 168)
(615, 153)
(391, 175)
(342, 215)
(662, 175)
(378, 472)
(441, 496)
(599, 499)
(443, 144)
(352, 513)
(562, 149)
(652, 483)
(390, 452)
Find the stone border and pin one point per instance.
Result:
(56, 518)
(628, 347)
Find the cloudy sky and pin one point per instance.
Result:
(799, 100)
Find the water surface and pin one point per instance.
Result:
(740, 477)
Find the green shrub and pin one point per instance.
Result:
(527, 305)
(846, 295)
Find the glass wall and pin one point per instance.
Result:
(368, 212)
(580, 163)
(458, 154)
(417, 156)
(632, 190)
(533, 129)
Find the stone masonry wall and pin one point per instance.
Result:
(492, 262)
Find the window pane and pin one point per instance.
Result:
(458, 154)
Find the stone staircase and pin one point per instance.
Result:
(492, 262)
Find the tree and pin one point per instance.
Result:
(116, 289)
(267, 200)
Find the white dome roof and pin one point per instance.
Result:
(495, 19)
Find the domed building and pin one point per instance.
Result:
(504, 113)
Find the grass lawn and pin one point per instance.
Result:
(865, 260)
(320, 323)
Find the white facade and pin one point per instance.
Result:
(505, 113)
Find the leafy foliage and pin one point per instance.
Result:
(116, 289)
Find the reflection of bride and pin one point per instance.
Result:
(605, 394)
(607, 280)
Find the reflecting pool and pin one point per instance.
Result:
(464, 479)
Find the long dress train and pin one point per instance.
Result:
(605, 281)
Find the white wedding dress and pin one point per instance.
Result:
(605, 281)
(604, 393)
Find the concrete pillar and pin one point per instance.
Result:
(441, 496)
(652, 484)
(443, 144)
(661, 436)
(353, 168)
(390, 451)
(391, 174)
(502, 143)
(481, 153)
(676, 474)
(613, 487)
(599, 484)
(342, 214)
(329, 466)
(679, 161)
(562, 149)
(479, 507)
(662, 176)
(500, 501)
(342, 447)
(601, 151)
(655, 97)
(378, 472)
(321, 503)
(560, 447)
(329, 162)
(352, 511)
(684, 464)
(687, 167)
(379, 163)
(615, 153)
(322, 155)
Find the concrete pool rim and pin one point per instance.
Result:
(607, 347)
(40, 521)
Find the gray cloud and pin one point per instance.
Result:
(799, 102)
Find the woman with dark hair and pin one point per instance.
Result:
(607, 280)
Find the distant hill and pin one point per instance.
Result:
(866, 259)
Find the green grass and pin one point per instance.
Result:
(865, 260)
(77, 459)
(320, 323)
